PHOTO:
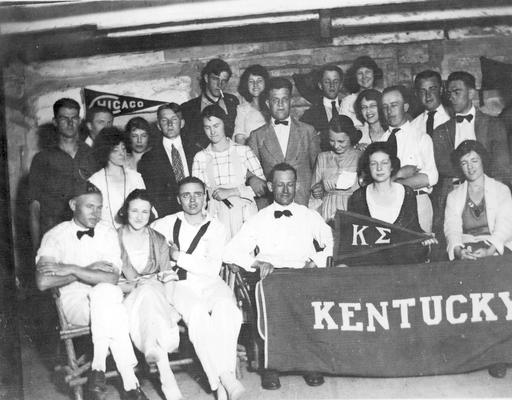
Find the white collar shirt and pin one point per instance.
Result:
(328, 107)
(465, 130)
(282, 133)
(88, 141)
(168, 143)
(440, 117)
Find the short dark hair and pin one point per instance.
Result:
(191, 179)
(137, 123)
(279, 83)
(428, 74)
(91, 112)
(174, 107)
(214, 66)
(342, 123)
(108, 138)
(243, 86)
(466, 77)
(398, 88)
(65, 102)
(370, 94)
(351, 77)
(375, 147)
(141, 194)
(466, 147)
(282, 167)
(331, 67)
(214, 110)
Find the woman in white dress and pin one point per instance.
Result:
(146, 270)
(369, 112)
(114, 180)
(224, 166)
(252, 112)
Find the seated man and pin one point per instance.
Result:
(284, 233)
(205, 302)
(82, 257)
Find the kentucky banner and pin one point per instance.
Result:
(117, 103)
(361, 240)
(384, 321)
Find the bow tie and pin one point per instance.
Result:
(89, 232)
(279, 214)
(279, 122)
(461, 118)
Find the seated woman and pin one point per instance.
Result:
(138, 140)
(388, 201)
(114, 180)
(224, 167)
(146, 268)
(368, 109)
(478, 214)
(335, 177)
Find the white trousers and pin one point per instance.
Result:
(102, 307)
(213, 320)
(425, 212)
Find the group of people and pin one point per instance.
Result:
(136, 228)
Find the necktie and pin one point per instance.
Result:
(279, 122)
(430, 122)
(392, 140)
(334, 109)
(89, 232)
(461, 118)
(279, 214)
(177, 164)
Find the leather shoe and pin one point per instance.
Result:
(270, 379)
(314, 378)
(97, 385)
(135, 394)
(498, 370)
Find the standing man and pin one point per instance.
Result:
(284, 233)
(214, 79)
(415, 151)
(205, 302)
(285, 139)
(168, 162)
(97, 118)
(82, 258)
(319, 114)
(54, 170)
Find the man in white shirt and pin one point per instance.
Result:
(205, 302)
(284, 232)
(82, 258)
(428, 85)
(97, 118)
(415, 151)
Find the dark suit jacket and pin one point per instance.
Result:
(193, 129)
(158, 175)
(301, 153)
(317, 117)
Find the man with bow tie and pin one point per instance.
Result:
(82, 258)
(284, 233)
(468, 123)
(285, 139)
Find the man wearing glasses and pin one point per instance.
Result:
(214, 79)
(168, 162)
(54, 170)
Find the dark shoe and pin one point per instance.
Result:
(314, 378)
(97, 385)
(135, 394)
(270, 379)
(498, 370)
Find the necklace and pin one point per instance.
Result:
(108, 195)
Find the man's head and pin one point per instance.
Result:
(428, 85)
(97, 118)
(66, 117)
(214, 77)
(86, 204)
(169, 120)
(191, 195)
(461, 91)
(279, 97)
(137, 129)
(331, 79)
(395, 105)
(283, 183)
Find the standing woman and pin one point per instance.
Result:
(369, 111)
(138, 134)
(253, 111)
(146, 270)
(224, 167)
(114, 180)
(362, 75)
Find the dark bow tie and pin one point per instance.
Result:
(461, 118)
(279, 122)
(89, 232)
(279, 214)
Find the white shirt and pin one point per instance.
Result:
(415, 148)
(168, 143)
(465, 130)
(282, 133)
(385, 212)
(440, 117)
(62, 245)
(328, 107)
(203, 265)
(88, 141)
(285, 242)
